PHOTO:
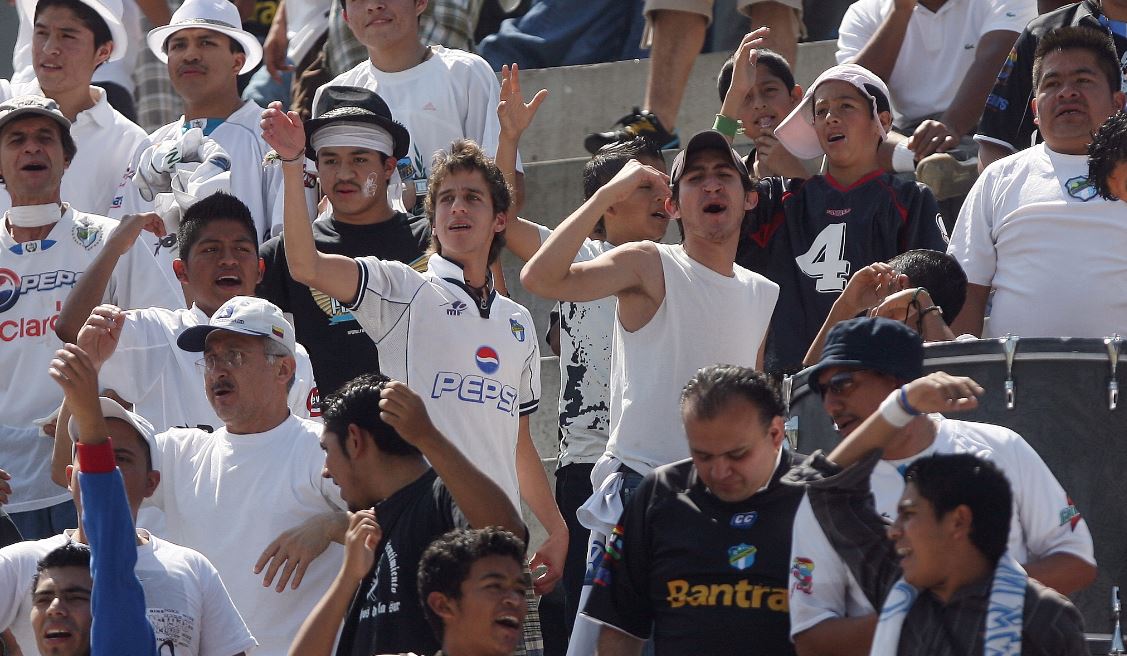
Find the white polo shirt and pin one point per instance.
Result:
(187, 602)
(229, 496)
(107, 143)
(478, 370)
(162, 380)
(1034, 229)
(1044, 521)
(35, 279)
(950, 36)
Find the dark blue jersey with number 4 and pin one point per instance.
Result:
(810, 236)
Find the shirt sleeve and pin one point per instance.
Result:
(972, 240)
(924, 227)
(857, 28)
(1050, 520)
(138, 282)
(530, 374)
(139, 358)
(620, 595)
(384, 293)
(1007, 119)
(222, 629)
(15, 587)
(1006, 15)
(820, 581)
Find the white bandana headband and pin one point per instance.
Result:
(353, 134)
(1003, 614)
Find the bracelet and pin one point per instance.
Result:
(894, 413)
(903, 400)
(727, 126)
(297, 157)
(934, 308)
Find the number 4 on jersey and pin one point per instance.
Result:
(825, 261)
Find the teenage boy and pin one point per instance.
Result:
(71, 40)
(426, 487)
(757, 91)
(441, 94)
(471, 352)
(355, 142)
(809, 235)
(948, 584)
(585, 329)
(138, 358)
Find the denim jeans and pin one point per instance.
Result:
(46, 522)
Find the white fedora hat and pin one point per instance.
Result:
(109, 11)
(219, 15)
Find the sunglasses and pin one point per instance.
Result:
(840, 383)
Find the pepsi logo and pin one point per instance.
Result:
(487, 359)
(9, 289)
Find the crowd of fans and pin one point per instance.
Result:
(266, 392)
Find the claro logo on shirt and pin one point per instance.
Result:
(13, 329)
(12, 286)
(741, 595)
(472, 388)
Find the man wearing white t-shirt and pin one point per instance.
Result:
(73, 40)
(470, 352)
(188, 606)
(1034, 230)
(206, 50)
(45, 246)
(218, 261)
(864, 361)
(441, 94)
(902, 40)
(250, 496)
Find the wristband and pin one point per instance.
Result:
(903, 400)
(727, 126)
(903, 160)
(934, 308)
(96, 458)
(894, 413)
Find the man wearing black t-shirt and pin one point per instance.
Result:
(700, 558)
(1007, 124)
(376, 425)
(356, 143)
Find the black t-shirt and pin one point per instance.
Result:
(705, 576)
(385, 616)
(338, 347)
(1008, 116)
(809, 236)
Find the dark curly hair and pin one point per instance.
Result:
(1107, 150)
(447, 562)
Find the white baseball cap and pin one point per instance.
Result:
(796, 131)
(219, 15)
(109, 11)
(112, 410)
(247, 315)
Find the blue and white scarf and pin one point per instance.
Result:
(1003, 615)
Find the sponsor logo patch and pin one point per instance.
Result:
(86, 235)
(1070, 515)
(487, 359)
(742, 556)
(517, 328)
(803, 572)
(744, 520)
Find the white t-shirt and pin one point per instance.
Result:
(705, 318)
(241, 136)
(229, 496)
(187, 603)
(1044, 520)
(950, 36)
(35, 279)
(1034, 229)
(585, 347)
(164, 383)
(453, 95)
(477, 372)
(119, 72)
(107, 144)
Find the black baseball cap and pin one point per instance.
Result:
(707, 140)
(872, 343)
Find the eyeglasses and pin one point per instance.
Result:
(229, 360)
(840, 384)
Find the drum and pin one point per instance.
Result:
(1062, 396)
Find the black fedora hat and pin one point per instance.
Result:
(355, 105)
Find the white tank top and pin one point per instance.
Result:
(706, 318)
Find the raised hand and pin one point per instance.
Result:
(513, 113)
(635, 175)
(125, 234)
(98, 337)
(74, 371)
(404, 411)
(942, 392)
(283, 131)
(870, 285)
(360, 544)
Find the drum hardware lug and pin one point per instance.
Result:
(1113, 344)
(1009, 346)
(1117, 648)
(787, 390)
